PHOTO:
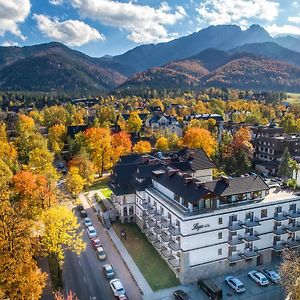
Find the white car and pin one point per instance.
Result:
(92, 232)
(87, 222)
(272, 275)
(117, 287)
(259, 278)
(101, 254)
(235, 284)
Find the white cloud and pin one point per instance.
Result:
(12, 13)
(284, 29)
(217, 12)
(9, 44)
(144, 23)
(70, 32)
(294, 19)
(56, 2)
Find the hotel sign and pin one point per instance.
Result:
(197, 226)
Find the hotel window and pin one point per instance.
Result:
(220, 235)
(220, 221)
(220, 251)
(264, 213)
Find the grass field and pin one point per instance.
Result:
(155, 270)
(102, 185)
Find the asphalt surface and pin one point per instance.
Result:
(83, 274)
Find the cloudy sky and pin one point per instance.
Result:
(99, 27)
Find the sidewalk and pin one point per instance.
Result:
(132, 267)
(47, 291)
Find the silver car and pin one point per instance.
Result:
(235, 284)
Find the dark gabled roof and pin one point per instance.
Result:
(189, 191)
(198, 159)
(130, 159)
(216, 117)
(236, 185)
(184, 166)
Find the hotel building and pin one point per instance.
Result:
(200, 226)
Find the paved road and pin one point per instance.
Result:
(83, 274)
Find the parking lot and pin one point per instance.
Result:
(253, 290)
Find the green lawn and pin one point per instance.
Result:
(155, 270)
(102, 185)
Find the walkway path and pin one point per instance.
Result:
(127, 259)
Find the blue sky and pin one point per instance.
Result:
(99, 27)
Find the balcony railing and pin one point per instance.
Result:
(175, 263)
(158, 229)
(293, 214)
(252, 222)
(280, 216)
(158, 244)
(166, 223)
(174, 231)
(166, 237)
(251, 237)
(235, 225)
(293, 228)
(279, 230)
(293, 243)
(250, 252)
(235, 257)
(235, 240)
(279, 246)
(167, 254)
(175, 246)
(157, 216)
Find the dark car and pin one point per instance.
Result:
(80, 207)
(83, 214)
(181, 295)
(211, 289)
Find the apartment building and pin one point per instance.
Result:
(205, 228)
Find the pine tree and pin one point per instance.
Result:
(284, 169)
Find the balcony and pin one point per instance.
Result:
(293, 243)
(145, 216)
(158, 230)
(175, 263)
(151, 223)
(158, 244)
(293, 227)
(166, 223)
(250, 253)
(250, 223)
(234, 257)
(279, 230)
(280, 216)
(166, 238)
(293, 214)
(167, 254)
(236, 240)
(174, 231)
(151, 210)
(279, 246)
(235, 225)
(152, 237)
(157, 216)
(175, 246)
(251, 237)
(145, 205)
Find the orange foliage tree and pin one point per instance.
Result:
(200, 138)
(121, 145)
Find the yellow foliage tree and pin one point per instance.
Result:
(162, 144)
(57, 135)
(142, 147)
(134, 123)
(200, 138)
(75, 182)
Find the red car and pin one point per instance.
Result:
(96, 242)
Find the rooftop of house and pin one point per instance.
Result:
(277, 194)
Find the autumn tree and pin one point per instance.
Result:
(134, 123)
(288, 123)
(289, 271)
(162, 144)
(98, 145)
(121, 145)
(20, 278)
(75, 182)
(142, 147)
(60, 232)
(55, 115)
(86, 168)
(57, 135)
(25, 124)
(285, 169)
(200, 138)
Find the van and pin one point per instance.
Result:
(211, 289)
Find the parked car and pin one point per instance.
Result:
(117, 287)
(181, 295)
(83, 214)
(235, 284)
(123, 297)
(96, 242)
(61, 165)
(80, 207)
(259, 278)
(87, 222)
(272, 275)
(211, 289)
(101, 254)
(108, 271)
(92, 232)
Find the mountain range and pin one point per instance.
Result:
(223, 55)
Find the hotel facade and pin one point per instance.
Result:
(204, 227)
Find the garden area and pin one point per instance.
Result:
(102, 185)
(155, 270)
